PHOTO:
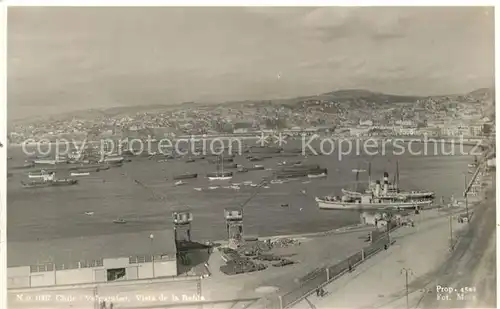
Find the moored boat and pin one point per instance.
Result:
(39, 174)
(49, 180)
(220, 176)
(180, 183)
(80, 174)
(322, 175)
(52, 183)
(389, 190)
(185, 176)
(367, 202)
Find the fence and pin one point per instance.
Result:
(320, 277)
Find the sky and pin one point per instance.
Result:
(67, 59)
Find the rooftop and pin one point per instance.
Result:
(73, 250)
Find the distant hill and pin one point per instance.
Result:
(355, 98)
(487, 94)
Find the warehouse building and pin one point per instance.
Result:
(91, 259)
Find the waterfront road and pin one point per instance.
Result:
(424, 252)
(472, 266)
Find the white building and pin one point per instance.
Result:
(406, 123)
(91, 259)
(366, 123)
(406, 131)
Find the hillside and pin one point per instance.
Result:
(354, 98)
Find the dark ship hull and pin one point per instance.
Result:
(300, 172)
(220, 174)
(45, 184)
(185, 176)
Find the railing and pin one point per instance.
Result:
(287, 297)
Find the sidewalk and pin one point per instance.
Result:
(379, 282)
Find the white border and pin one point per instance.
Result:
(3, 156)
(497, 147)
(288, 3)
(3, 79)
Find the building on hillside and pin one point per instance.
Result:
(366, 123)
(91, 259)
(406, 131)
(406, 123)
(476, 129)
(456, 130)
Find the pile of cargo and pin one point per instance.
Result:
(283, 262)
(240, 266)
(267, 257)
(285, 242)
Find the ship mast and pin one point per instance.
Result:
(357, 180)
(397, 176)
(369, 173)
(222, 165)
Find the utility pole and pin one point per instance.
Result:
(466, 199)
(407, 272)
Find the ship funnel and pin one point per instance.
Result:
(386, 186)
(386, 177)
(377, 188)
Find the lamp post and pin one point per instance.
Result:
(407, 272)
(451, 232)
(151, 236)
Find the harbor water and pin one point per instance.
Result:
(144, 194)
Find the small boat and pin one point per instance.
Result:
(119, 221)
(179, 183)
(256, 167)
(185, 176)
(39, 174)
(242, 170)
(219, 177)
(473, 164)
(252, 159)
(190, 160)
(198, 189)
(45, 162)
(322, 175)
(80, 174)
(284, 205)
(276, 181)
(112, 159)
(89, 213)
(358, 171)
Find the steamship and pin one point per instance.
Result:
(392, 191)
(378, 199)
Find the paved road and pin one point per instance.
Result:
(472, 266)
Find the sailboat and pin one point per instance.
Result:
(220, 174)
